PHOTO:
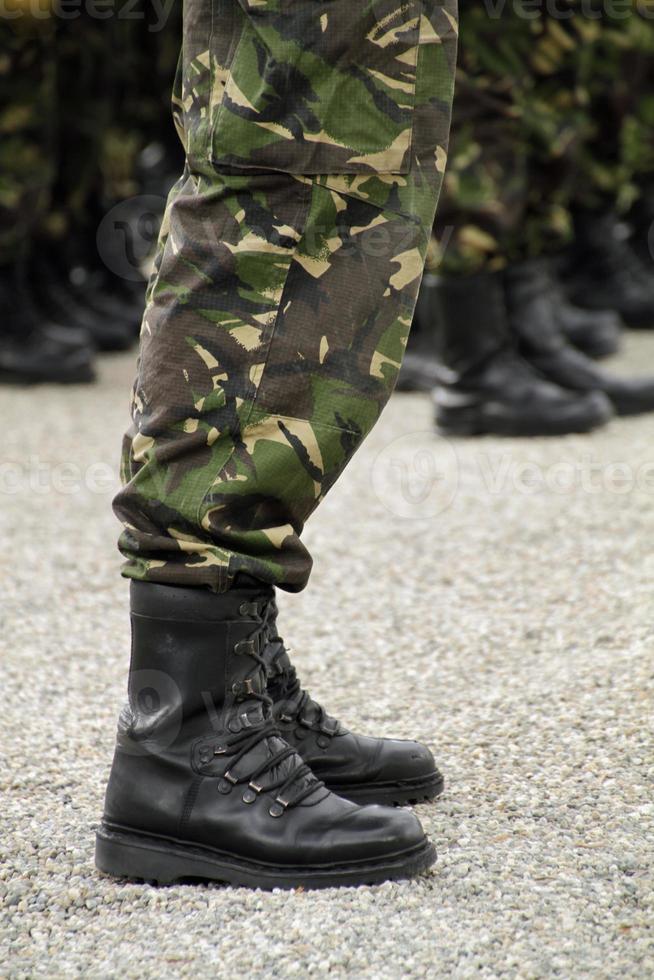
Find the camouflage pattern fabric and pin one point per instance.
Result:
(289, 264)
(615, 71)
(27, 75)
(546, 121)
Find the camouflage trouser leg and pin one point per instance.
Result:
(290, 261)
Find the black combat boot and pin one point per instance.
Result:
(203, 786)
(80, 263)
(34, 352)
(531, 302)
(596, 333)
(59, 298)
(641, 224)
(362, 769)
(605, 272)
(486, 387)
(420, 368)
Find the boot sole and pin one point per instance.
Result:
(76, 376)
(477, 425)
(597, 351)
(164, 861)
(403, 791)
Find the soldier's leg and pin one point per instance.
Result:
(290, 261)
(283, 298)
(496, 216)
(96, 159)
(527, 95)
(30, 349)
(614, 72)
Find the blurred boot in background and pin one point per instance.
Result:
(531, 296)
(420, 369)
(486, 387)
(33, 348)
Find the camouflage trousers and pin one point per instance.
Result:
(289, 265)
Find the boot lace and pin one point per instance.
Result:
(298, 704)
(291, 788)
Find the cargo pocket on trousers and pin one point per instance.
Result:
(320, 87)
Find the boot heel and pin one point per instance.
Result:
(125, 856)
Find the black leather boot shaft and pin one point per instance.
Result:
(204, 786)
(186, 640)
(471, 325)
(420, 370)
(34, 350)
(606, 272)
(531, 307)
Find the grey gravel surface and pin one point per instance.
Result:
(493, 598)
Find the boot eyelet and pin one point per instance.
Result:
(252, 792)
(219, 750)
(234, 726)
(322, 741)
(300, 734)
(276, 810)
(245, 687)
(224, 787)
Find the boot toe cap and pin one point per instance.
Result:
(375, 831)
(403, 760)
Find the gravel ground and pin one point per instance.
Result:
(491, 597)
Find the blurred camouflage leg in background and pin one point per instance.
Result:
(615, 165)
(32, 349)
(517, 126)
(291, 256)
(613, 76)
(552, 121)
(533, 84)
(109, 173)
(27, 79)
